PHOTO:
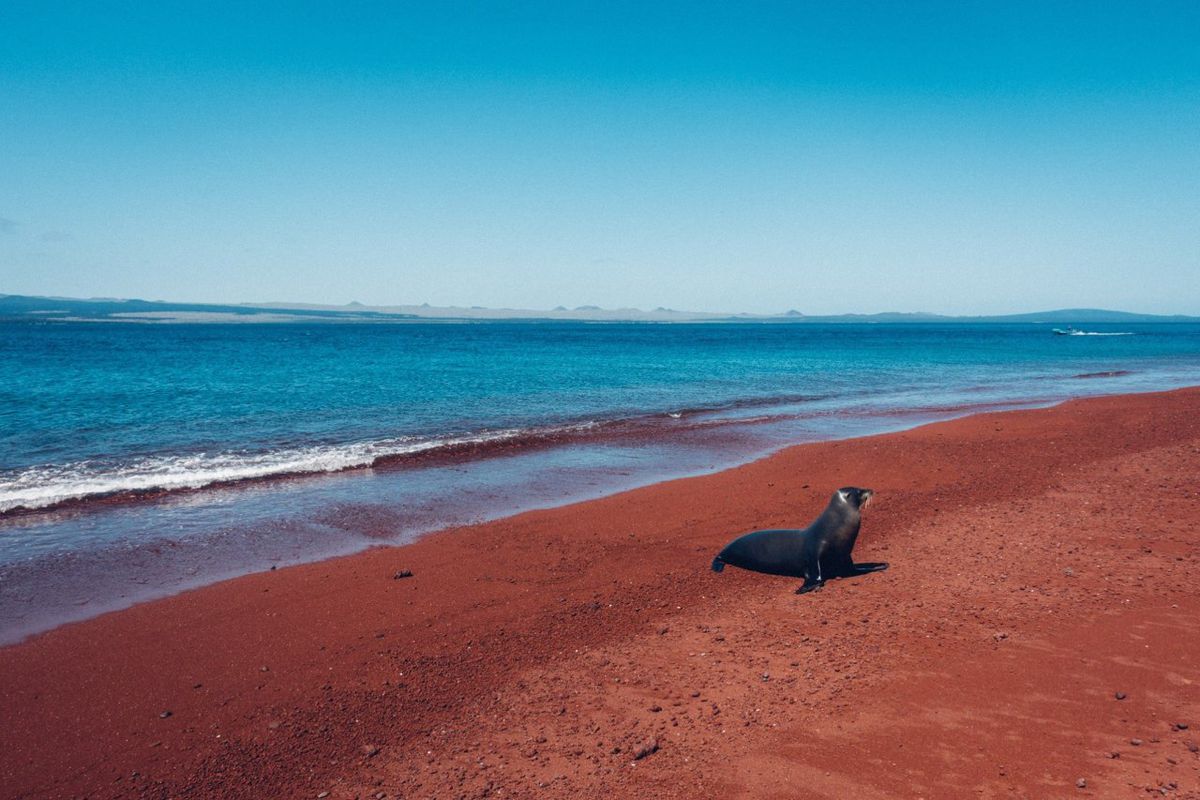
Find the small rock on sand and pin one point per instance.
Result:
(1121, 695)
(369, 750)
(650, 747)
(404, 573)
(1081, 783)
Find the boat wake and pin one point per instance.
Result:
(1077, 332)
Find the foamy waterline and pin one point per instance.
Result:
(52, 485)
(44, 487)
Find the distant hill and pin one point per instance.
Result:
(1089, 315)
(27, 308)
(1062, 316)
(116, 310)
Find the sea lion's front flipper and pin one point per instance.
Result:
(869, 566)
(812, 578)
(810, 585)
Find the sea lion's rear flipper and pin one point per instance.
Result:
(718, 564)
(869, 566)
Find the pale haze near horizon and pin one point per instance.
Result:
(989, 158)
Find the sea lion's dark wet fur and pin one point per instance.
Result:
(817, 553)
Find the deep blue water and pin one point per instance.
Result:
(521, 414)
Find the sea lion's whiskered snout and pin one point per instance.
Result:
(854, 496)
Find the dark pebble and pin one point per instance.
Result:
(1121, 695)
(404, 573)
(648, 748)
(164, 714)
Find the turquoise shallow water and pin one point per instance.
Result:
(139, 459)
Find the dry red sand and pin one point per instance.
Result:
(1042, 562)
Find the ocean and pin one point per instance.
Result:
(138, 460)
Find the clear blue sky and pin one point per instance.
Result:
(958, 157)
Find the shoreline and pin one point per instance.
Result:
(75, 585)
(459, 448)
(142, 479)
(529, 653)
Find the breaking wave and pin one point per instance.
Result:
(42, 487)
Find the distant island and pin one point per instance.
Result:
(66, 309)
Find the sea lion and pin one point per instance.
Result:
(817, 553)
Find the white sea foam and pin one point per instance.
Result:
(44, 486)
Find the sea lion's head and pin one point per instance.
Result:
(855, 497)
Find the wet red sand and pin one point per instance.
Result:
(1042, 562)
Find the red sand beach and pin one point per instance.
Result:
(1036, 636)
